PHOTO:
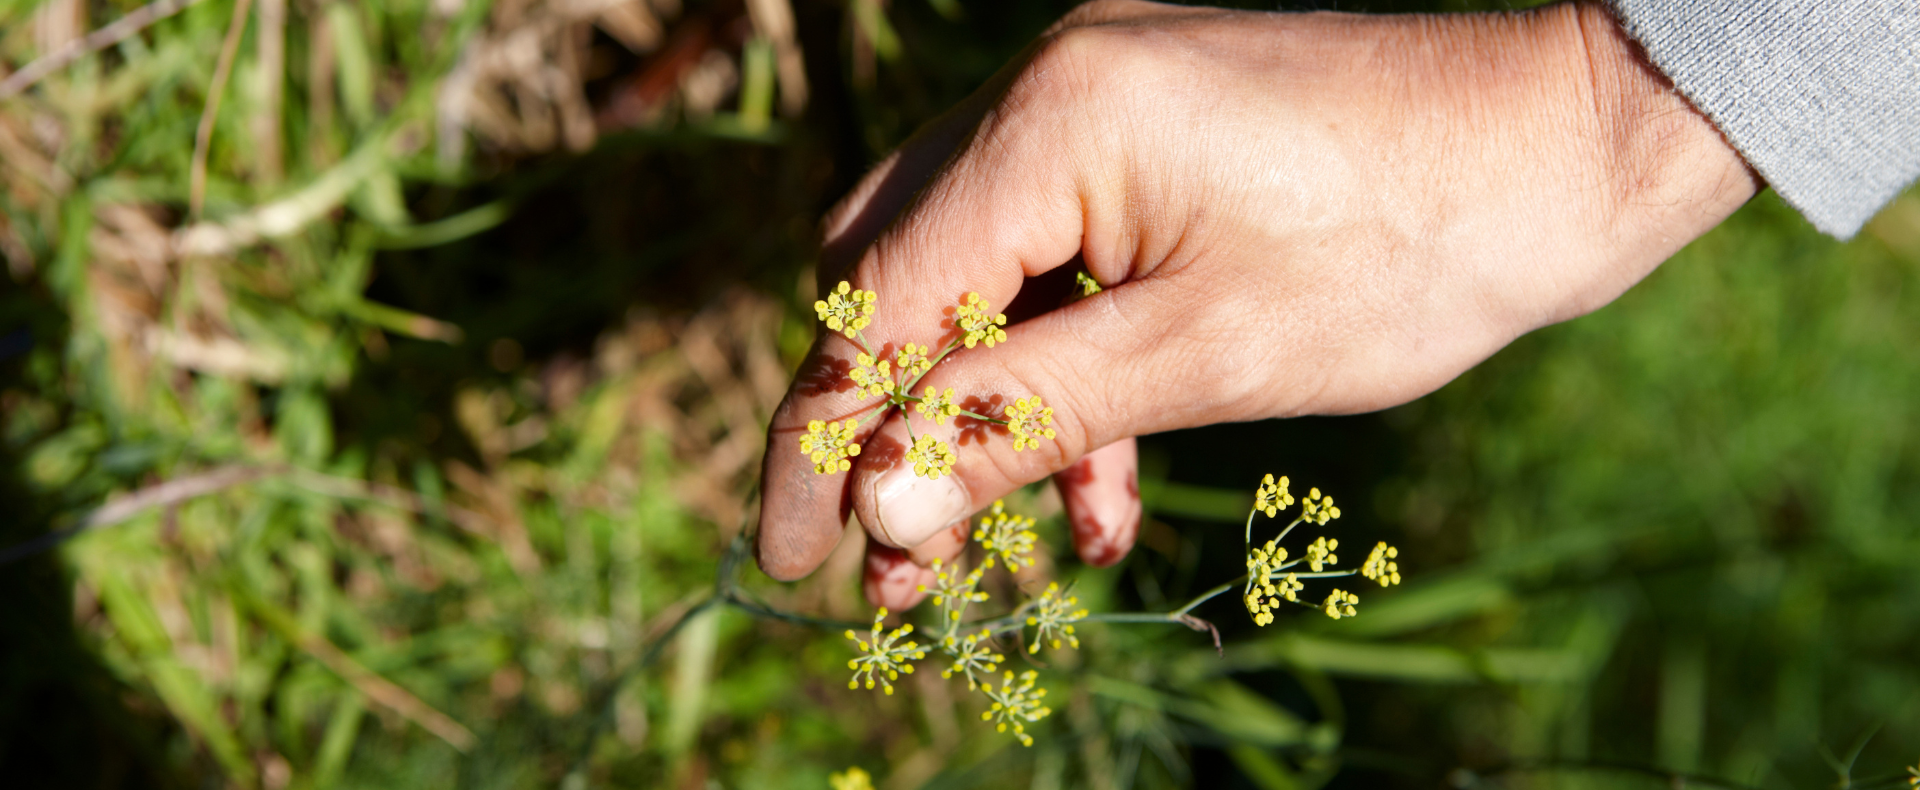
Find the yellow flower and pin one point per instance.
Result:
(972, 655)
(883, 658)
(846, 309)
(973, 318)
(912, 360)
(851, 779)
(1272, 496)
(1054, 616)
(872, 376)
(1380, 566)
(1915, 781)
(1086, 284)
(1340, 603)
(1016, 705)
(1290, 587)
(1006, 535)
(1320, 553)
(1318, 510)
(1260, 596)
(1029, 420)
(952, 591)
(931, 458)
(829, 445)
(937, 406)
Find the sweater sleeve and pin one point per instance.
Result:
(1822, 97)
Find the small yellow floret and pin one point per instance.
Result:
(1341, 603)
(938, 406)
(974, 318)
(1317, 509)
(1006, 536)
(931, 457)
(1320, 553)
(851, 779)
(1054, 616)
(912, 360)
(1380, 566)
(829, 445)
(1272, 496)
(872, 376)
(1016, 705)
(846, 309)
(1029, 421)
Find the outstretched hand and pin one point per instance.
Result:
(1291, 214)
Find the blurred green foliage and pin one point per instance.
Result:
(448, 408)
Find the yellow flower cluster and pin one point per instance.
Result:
(938, 406)
(1380, 565)
(1053, 618)
(952, 591)
(912, 360)
(931, 458)
(970, 656)
(851, 779)
(1269, 580)
(847, 309)
(1320, 553)
(1260, 594)
(1016, 705)
(975, 317)
(829, 445)
(1271, 497)
(871, 376)
(1029, 420)
(1006, 535)
(1087, 285)
(1318, 510)
(1340, 603)
(883, 658)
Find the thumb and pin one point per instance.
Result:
(1113, 366)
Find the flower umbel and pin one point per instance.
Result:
(1053, 618)
(974, 317)
(829, 445)
(1317, 509)
(912, 360)
(972, 655)
(1340, 603)
(938, 406)
(882, 659)
(1380, 566)
(952, 591)
(1260, 595)
(931, 457)
(1272, 496)
(1029, 421)
(1006, 535)
(846, 309)
(871, 376)
(851, 779)
(1320, 553)
(1016, 705)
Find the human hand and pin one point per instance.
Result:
(1292, 213)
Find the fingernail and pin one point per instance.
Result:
(912, 508)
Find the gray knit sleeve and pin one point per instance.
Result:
(1822, 97)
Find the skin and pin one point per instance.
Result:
(1291, 213)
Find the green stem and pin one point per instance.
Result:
(1284, 532)
(935, 362)
(983, 417)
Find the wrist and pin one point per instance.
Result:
(1675, 175)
